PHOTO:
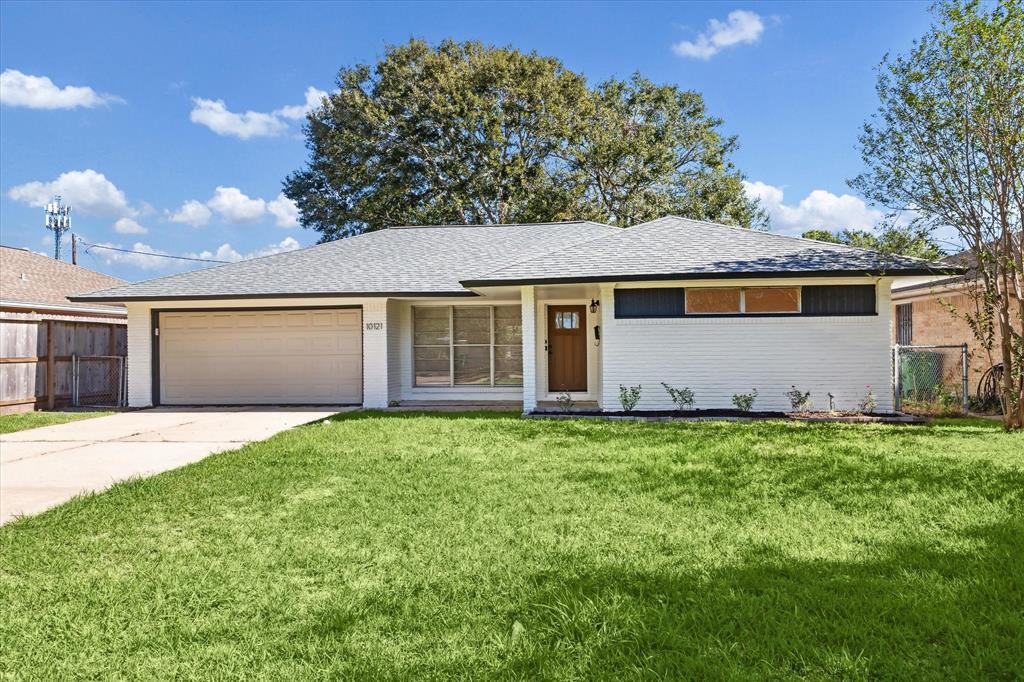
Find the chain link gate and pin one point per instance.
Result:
(98, 380)
(930, 379)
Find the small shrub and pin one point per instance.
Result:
(869, 404)
(744, 402)
(565, 401)
(629, 397)
(682, 397)
(801, 402)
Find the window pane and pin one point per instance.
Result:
(432, 366)
(430, 326)
(508, 365)
(567, 320)
(472, 325)
(472, 365)
(712, 301)
(772, 300)
(508, 324)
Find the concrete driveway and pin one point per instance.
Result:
(41, 468)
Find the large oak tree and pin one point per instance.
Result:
(468, 133)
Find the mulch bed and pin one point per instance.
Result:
(733, 415)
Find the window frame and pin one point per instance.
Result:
(452, 345)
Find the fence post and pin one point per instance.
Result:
(966, 388)
(74, 379)
(897, 398)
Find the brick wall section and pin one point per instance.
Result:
(935, 325)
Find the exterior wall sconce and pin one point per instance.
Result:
(594, 303)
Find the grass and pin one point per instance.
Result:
(9, 423)
(486, 546)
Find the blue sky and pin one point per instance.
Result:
(156, 152)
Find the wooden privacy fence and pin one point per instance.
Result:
(48, 362)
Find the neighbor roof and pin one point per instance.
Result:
(427, 261)
(679, 248)
(28, 278)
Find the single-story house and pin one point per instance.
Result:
(521, 313)
(41, 329)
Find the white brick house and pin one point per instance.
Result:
(521, 313)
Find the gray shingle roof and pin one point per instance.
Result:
(678, 248)
(446, 260)
(401, 260)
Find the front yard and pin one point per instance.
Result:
(484, 545)
(9, 423)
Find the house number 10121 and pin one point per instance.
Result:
(373, 326)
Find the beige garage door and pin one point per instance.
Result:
(261, 357)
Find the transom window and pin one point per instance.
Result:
(468, 345)
(567, 320)
(737, 300)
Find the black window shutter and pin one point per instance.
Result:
(833, 299)
(657, 302)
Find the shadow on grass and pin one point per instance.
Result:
(914, 611)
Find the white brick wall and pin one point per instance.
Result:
(529, 303)
(375, 353)
(718, 357)
(394, 350)
(140, 380)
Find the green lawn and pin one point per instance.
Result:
(9, 423)
(487, 546)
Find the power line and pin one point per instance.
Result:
(89, 246)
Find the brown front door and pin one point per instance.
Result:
(567, 348)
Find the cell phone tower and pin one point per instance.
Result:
(58, 220)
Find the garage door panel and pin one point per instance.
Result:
(267, 357)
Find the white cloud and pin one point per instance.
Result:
(87, 191)
(820, 209)
(129, 226)
(284, 210)
(19, 89)
(228, 253)
(739, 27)
(235, 206)
(314, 98)
(214, 115)
(192, 213)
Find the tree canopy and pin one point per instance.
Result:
(468, 133)
(904, 242)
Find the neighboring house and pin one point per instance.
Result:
(35, 309)
(923, 314)
(520, 313)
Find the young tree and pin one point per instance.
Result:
(947, 144)
(917, 243)
(467, 133)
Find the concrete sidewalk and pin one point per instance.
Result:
(41, 468)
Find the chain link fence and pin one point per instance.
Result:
(931, 380)
(98, 380)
